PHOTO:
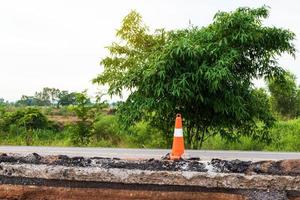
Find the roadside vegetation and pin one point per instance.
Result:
(107, 132)
(206, 74)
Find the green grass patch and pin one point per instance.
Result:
(285, 137)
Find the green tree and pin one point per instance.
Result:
(48, 96)
(82, 129)
(285, 95)
(203, 73)
(53, 94)
(65, 98)
(42, 98)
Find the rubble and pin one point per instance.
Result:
(284, 167)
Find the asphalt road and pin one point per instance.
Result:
(147, 153)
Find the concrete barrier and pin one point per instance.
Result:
(88, 178)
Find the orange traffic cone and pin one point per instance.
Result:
(178, 143)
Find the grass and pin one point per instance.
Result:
(39, 137)
(285, 135)
(106, 133)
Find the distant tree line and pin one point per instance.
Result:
(49, 97)
(56, 98)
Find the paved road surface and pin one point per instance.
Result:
(147, 153)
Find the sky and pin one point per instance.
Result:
(60, 43)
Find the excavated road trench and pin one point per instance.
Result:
(62, 177)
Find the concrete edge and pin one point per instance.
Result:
(126, 176)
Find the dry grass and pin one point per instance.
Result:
(65, 120)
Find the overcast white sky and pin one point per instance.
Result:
(59, 43)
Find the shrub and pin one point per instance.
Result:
(82, 129)
(29, 118)
(80, 133)
(105, 127)
(32, 119)
(142, 135)
(286, 136)
(108, 132)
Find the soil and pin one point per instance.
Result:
(16, 192)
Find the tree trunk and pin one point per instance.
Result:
(204, 132)
(188, 136)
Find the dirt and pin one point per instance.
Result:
(64, 120)
(24, 192)
(15, 192)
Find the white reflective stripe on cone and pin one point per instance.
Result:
(178, 132)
